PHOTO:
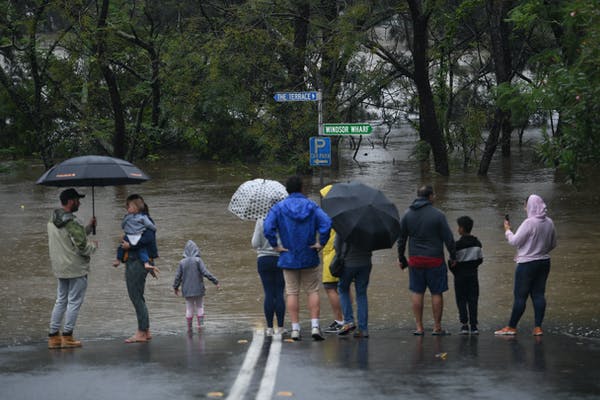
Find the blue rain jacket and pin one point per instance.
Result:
(297, 219)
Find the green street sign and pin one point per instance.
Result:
(347, 129)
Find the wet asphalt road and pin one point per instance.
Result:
(388, 365)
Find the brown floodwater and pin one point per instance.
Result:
(188, 200)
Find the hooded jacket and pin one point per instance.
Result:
(297, 220)
(191, 271)
(428, 230)
(536, 236)
(68, 246)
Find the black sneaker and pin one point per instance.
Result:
(474, 330)
(333, 328)
(464, 330)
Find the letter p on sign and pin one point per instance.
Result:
(320, 151)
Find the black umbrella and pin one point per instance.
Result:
(93, 171)
(362, 215)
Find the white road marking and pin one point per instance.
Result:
(265, 392)
(242, 382)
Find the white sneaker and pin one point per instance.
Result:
(269, 332)
(281, 331)
(316, 334)
(295, 334)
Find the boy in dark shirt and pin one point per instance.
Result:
(466, 282)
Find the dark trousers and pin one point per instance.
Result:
(466, 290)
(135, 277)
(530, 281)
(273, 285)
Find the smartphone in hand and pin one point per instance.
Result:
(506, 218)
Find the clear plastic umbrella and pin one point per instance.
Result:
(253, 199)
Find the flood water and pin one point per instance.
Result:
(188, 200)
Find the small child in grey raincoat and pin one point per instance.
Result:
(190, 276)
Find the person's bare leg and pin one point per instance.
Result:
(334, 301)
(417, 307)
(314, 305)
(437, 306)
(292, 307)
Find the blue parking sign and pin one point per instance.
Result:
(320, 151)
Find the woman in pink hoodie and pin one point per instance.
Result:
(534, 239)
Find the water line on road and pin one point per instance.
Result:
(242, 382)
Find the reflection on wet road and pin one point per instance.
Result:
(388, 365)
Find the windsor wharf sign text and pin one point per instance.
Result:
(347, 129)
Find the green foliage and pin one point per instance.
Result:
(220, 62)
(422, 151)
(567, 81)
(467, 134)
(517, 99)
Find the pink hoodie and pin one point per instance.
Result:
(536, 236)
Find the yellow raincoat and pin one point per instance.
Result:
(328, 249)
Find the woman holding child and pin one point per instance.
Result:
(136, 272)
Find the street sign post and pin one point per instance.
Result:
(347, 129)
(320, 151)
(296, 96)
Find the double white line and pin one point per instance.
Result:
(267, 384)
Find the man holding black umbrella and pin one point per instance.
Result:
(70, 253)
(427, 231)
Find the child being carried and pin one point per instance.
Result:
(134, 224)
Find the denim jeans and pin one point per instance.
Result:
(360, 276)
(530, 280)
(69, 298)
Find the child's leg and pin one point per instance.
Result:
(148, 263)
(472, 300)
(120, 254)
(189, 307)
(460, 292)
(200, 310)
(143, 254)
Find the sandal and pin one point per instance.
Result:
(441, 332)
(419, 333)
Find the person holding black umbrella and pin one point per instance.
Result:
(70, 253)
(357, 269)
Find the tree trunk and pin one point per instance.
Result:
(155, 85)
(298, 62)
(119, 134)
(429, 129)
(499, 30)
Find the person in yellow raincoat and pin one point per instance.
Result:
(330, 282)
